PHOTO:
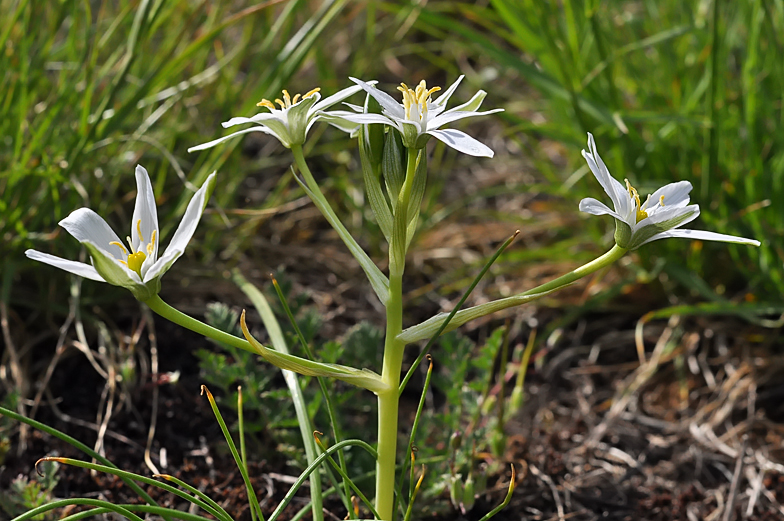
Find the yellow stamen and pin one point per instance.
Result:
(287, 98)
(119, 245)
(282, 105)
(661, 201)
(287, 102)
(266, 103)
(311, 92)
(130, 243)
(123, 263)
(419, 97)
(151, 246)
(641, 213)
(139, 230)
(295, 99)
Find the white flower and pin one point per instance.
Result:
(137, 266)
(290, 123)
(640, 223)
(419, 116)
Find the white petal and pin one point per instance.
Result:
(362, 119)
(450, 116)
(594, 207)
(188, 224)
(702, 236)
(86, 225)
(666, 214)
(444, 98)
(614, 189)
(473, 104)
(335, 98)
(259, 118)
(355, 108)
(145, 214)
(675, 194)
(462, 142)
(214, 142)
(77, 268)
(386, 101)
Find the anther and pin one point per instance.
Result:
(311, 92)
(139, 230)
(266, 103)
(661, 201)
(287, 98)
(282, 105)
(119, 245)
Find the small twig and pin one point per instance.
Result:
(730, 508)
(556, 497)
(16, 374)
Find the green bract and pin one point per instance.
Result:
(139, 269)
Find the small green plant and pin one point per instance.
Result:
(25, 494)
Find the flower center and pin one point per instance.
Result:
(287, 102)
(642, 209)
(418, 97)
(135, 259)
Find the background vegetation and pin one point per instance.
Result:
(671, 90)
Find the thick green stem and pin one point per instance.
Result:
(393, 352)
(178, 317)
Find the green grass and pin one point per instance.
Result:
(671, 90)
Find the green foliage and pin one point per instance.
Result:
(25, 494)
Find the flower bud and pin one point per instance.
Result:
(468, 495)
(456, 490)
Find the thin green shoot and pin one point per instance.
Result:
(254, 502)
(506, 500)
(333, 420)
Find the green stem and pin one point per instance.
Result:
(393, 352)
(178, 317)
(429, 327)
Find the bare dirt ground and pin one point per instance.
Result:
(693, 431)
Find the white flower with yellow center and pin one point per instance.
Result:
(290, 123)
(134, 265)
(638, 222)
(419, 116)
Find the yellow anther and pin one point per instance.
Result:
(119, 245)
(287, 98)
(282, 105)
(295, 99)
(130, 244)
(139, 230)
(641, 213)
(135, 261)
(266, 103)
(661, 201)
(151, 246)
(311, 92)
(418, 97)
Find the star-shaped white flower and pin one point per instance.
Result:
(419, 116)
(135, 265)
(657, 218)
(290, 123)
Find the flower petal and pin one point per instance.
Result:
(702, 236)
(77, 268)
(594, 207)
(672, 214)
(337, 97)
(386, 101)
(86, 225)
(214, 142)
(473, 104)
(675, 194)
(454, 115)
(362, 119)
(462, 142)
(612, 187)
(145, 217)
(185, 230)
(444, 98)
